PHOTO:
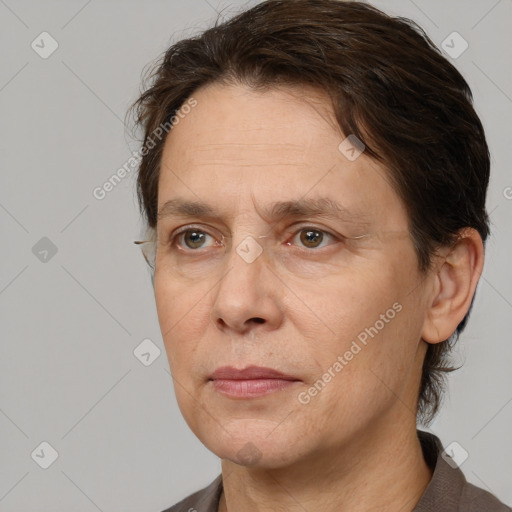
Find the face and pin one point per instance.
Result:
(278, 249)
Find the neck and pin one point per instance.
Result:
(382, 470)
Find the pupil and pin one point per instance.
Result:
(310, 237)
(194, 239)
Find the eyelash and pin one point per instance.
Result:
(173, 238)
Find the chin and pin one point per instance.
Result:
(254, 443)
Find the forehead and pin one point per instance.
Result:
(240, 124)
(279, 145)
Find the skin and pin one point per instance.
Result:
(297, 306)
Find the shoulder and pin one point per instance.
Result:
(476, 500)
(448, 489)
(205, 500)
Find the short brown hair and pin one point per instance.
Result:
(389, 85)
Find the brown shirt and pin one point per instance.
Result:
(448, 491)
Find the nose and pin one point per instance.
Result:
(248, 296)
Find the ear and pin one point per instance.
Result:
(455, 282)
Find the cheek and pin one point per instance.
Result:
(183, 315)
(378, 344)
(362, 371)
(342, 305)
(369, 315)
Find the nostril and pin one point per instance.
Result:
(223, 324)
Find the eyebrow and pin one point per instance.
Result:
(319, 207)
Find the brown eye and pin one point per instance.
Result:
(190, 239)
(193, 238)
(311, 238)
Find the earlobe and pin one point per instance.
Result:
(455, 283)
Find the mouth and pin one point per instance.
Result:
(250, 382)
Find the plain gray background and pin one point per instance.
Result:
(69, 325)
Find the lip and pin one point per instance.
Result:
(249, 373)
(250, 382)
